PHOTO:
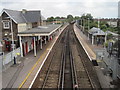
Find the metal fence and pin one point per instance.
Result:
(10, 56)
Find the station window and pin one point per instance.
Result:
(6, 25)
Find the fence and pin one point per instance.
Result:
(10, 56)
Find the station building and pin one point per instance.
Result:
(14, 22)
(24, 31)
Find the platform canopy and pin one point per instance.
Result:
(40, 30)
(109, 32)
(96, 32)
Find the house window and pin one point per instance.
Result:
(6, 25)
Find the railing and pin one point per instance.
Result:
(10, 56)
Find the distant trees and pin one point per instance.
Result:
(76, 18)
(94, 23)
(87, 16)
(50, 19)
(69, 18)
(84, 19)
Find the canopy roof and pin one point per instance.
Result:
(40, 30)
(96, 31)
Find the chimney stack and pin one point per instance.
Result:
(24, 11)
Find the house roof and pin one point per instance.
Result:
(40, 30)
(32, 16)
(20, 17)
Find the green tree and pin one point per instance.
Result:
(76, 17)
(50, 19)
(89, 16)
(69, 18)
(57, 17)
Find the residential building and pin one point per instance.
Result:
(111, 21)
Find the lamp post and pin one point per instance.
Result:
(88, 24)
(83, 25)
(81, 21)
(98, 23)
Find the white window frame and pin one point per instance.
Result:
(6, 25)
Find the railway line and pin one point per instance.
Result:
(67, 66)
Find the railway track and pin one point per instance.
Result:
(67, 66)
(68, 76)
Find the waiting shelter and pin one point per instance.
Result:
(96, 35)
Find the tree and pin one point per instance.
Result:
(89, 16)
(69, 18)
(103, 26)
(76, 17)
(57, 17)
(50, 19)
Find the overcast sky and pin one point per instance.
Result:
(98, 8)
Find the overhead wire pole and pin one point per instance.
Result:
(81, 21)
(88, 24)
(98, 23)
(83, 25)
(88, 28)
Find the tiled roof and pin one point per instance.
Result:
(20, 17)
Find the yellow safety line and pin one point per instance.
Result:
(31, 71)
(99, 61)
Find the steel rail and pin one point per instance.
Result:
(72, 65)
(62, 69)
(48, 71)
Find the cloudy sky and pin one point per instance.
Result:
(98, 8)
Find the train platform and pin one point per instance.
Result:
(22, 74)
(91, 51)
